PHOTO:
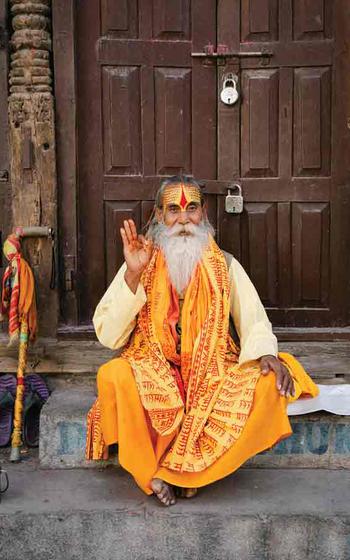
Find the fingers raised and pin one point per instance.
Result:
(128, 231)
(133, 229)
(124, 237)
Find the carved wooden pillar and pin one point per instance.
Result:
(32, 144)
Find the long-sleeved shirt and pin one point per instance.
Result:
(115, 315)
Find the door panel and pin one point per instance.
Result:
(121, 120)
(259, 248)
(148, 109)
(312, 122)
(312, 19)
(311, 261)
(259, 20)
(115, 213)
(259, 123)
(172, 88)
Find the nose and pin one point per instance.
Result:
(183, 218)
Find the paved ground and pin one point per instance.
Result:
(257, 491)
(254, 514)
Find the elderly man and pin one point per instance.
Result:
(186, 403)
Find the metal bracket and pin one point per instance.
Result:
(223, 52)
(34, 231)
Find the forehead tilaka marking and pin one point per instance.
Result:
(181, 195)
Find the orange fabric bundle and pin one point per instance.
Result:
(219, 394)
(27, 304)
(18, 291)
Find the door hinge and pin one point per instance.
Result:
(4, 176)
(4, 37)
(69, 272)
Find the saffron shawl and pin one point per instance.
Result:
(209, 416)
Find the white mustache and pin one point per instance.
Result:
(179, 229)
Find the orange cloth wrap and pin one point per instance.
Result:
(219, 393)
(123, 419)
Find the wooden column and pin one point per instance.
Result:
(32, 145)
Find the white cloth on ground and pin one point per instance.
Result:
(332, 398)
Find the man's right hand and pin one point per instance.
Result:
(137, 252)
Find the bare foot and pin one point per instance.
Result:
(163, 491)
(186, 492)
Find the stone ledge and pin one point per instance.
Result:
(251, 515)
(63, 429)
(320, 440)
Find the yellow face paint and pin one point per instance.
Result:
(181, 195)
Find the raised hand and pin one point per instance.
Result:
(137, 253)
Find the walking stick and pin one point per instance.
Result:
(18, 302)
(16, 440)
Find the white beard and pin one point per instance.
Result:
(182, 252)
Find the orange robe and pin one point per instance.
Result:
(124, 420)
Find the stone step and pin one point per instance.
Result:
(320, 440)
(63, 429)
(255, 514)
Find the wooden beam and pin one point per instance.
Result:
(32, 146)
(5, 187)
(326, 362)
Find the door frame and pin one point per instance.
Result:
(65, 64)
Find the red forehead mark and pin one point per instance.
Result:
(183, 200)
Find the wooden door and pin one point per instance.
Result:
(147, 109)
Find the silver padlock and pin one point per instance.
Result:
(229, 94)
(234, 202)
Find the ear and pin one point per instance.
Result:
(159, 214)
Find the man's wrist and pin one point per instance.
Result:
(132, 279)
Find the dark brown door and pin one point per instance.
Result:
(147, 108)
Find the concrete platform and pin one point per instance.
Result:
(320, 440)
(255, 514)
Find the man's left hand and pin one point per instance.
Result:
(284, 381)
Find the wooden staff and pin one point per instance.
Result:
(16, 440)
(18, 302)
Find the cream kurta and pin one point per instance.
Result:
(115, 315)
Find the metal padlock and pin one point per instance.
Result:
(229, 94)
(234, 202)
